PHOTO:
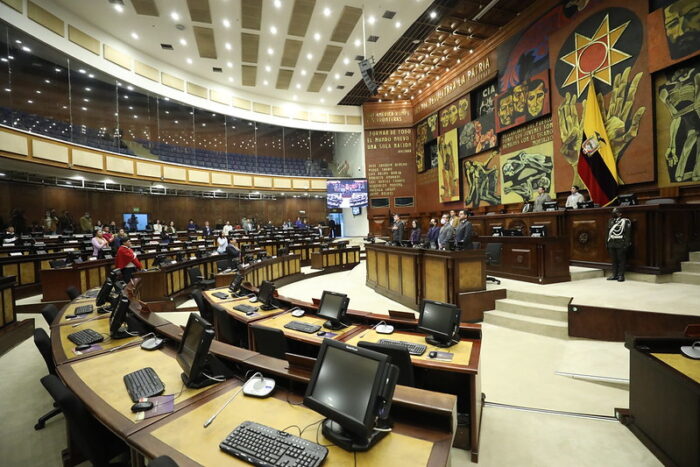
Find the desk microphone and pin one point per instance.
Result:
(221, 409)
(85, 321)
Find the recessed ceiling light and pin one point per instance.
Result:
(175, 16)
(229, 64)
(309, 56)
(90, 75)
(119, 8)
(84, 108)
(230, 79)
(227, 45)
(183, 41)
(397, 24)
(273, 29)
(265, 83)
(295, 97)
(81, 70)
(358, 42)
(47, 81)
(134, 36)
(322, 100)
(87, 89)
(471, 51)
(267, 68)
(30, 101)
(278, 3)
(26, 49)
(8, 90)
(317, 36)
(371, 20)
(329, 88)
(226, 23)
(346, 60)
(298, 86)
(337, 76)
(189, 61)
(130, 88)
(270, 51)
(303, 72)
(433, 15)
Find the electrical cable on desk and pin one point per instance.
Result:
(213, 417)
(213, 378)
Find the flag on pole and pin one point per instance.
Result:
(596, 161)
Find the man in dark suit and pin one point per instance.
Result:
(397, 230)
(463, 236)
(206, 230)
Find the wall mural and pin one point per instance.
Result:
(481, 181)
(522, 172)
(477, 136)
(605, 46)
(527, 100)
(456, 114)
(448, 169)
(426, 131)
(678, 124)
(674, 33)
(484, 100)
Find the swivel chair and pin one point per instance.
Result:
(198, 280)
(43, 344)
(72, 292)
(269, 341)
(202, 305)
(493, 256)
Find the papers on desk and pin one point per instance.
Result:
(161, 405)
(443, 356)
(92, 348)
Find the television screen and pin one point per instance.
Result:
(134, 222)
(356, 211)
(346, 193)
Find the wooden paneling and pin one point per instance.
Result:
(14, 143)
(49, 151)
(435, 278)
(84, 40)
(117, 57)
(46, 19)
(87, 159)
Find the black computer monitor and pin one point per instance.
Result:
(265, 293)
(333, 307)
(629, 199)
(353, 387)
(538, 231)
(441, 321)
(236, 283)
(193, 352)
(104, 292)
(550, 206)
(118, 319)
(497, 231)
(585, 204)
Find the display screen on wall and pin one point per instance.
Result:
(346, 193)
(135, 222)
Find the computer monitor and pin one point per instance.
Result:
(333, 307)
(193, 352)
(629, 199)
(538, 231)
(353, 387)
(496, 231)
(585, 204)
(118, 319)
(265, 293)
(104, 292)
(550, 206)
(236, 283)
(441, 321)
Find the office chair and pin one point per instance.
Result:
(49, 312)
(224, 327)
(493, 256)
(202, 305)
(270, 342)
(399, 357)
(198, 280)
(57, 263)
(223, 264)
(72, 292)
(162, 461)
(282, 251)
(93, 440)
(43, 344)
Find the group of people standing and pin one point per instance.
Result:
(453, 231)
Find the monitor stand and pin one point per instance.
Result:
(333, 325)
(439, 343)
(214, 367)
(267, 307)
(335, 434)
(132, 327)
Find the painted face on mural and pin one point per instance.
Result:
(535, 98)
(519, 96)
(682, 24)
(505, 109)
(463, 108)
(452, 112)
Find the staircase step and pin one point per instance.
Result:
(539, 298)
(542, 326)
(536, 310)
(690, 266)
(687, 277)
(578, 273)
(695, 256)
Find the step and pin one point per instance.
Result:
(690, 266)
(545, 327)
(650, 278)
(539, 298)
(694, 256)
(687, 278)
(536, 310)
(580, 273)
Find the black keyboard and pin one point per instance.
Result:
(246, 308)
(86, 336)
(220, 295)
(83, 310)
(303, 327)
(413, 349)
(262, 445)
(143, 383)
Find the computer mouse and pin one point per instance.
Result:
(83, 347)
(142, 406)
(384, 329)
(432, 354)
(152, 343)
(298, 313)
(321, 333)
(249, 313)
(253, 300)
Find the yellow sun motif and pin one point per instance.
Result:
(594, 57)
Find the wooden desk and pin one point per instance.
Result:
(304, 250)
(12, 332)
(171, 279)
(278, 322)
(343, 258)
(182, 436)
(270, 269)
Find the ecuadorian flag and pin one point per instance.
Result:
(596, 161)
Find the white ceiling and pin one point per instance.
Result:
(151, 31)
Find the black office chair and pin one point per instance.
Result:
(399, 357)
(225, 327)
(72, 292)
(49, 312)
(282, 251)
(43, 343)
(493, 256)
(202, 305)
(198, 280)
(223, 264)
(57, 263)
(95, 442)
(269, 341)
(162, 461)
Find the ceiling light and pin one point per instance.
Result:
(309, 56)
(265, 83)
(26, 49)
(273, 29)
(371, 20)
(84, 108)
(30, 101)
(81, 70)
(134, 36)
(183, 41)
(471, 51)
(322, 100)
(87, 89)
(329, 88)
(119, 8)
(175, 16)
(229, 64)
(358, 42)
(130, 87)
(230, 79)
(295, 97)
(298, 86)
(433, 15)
(303, 72)
(227, 45)
(326, 11)
(397, 24)
(346, 60)
(270, 51)
(189, 61)
(278, 3)
(317, 36)
(226, 23)
(47, 81)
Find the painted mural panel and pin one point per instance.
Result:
(523, 171)
(448, 169)
(674, 33)
(477, 136)
(426, 131)
(481, 181)
(456, 114)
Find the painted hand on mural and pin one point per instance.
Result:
(570, 128)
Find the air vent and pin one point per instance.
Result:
(389, 14)
(166, 46)
(372, 38)
(341, 87)
(216, 69)
(349, 73)
(359, 58)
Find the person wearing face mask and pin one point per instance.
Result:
(433, 233)
(618, 241)
(415, 233)
(447, 233)
(397, 230)
(463, 233)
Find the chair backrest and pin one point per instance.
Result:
(399, 357)
(224, 327)
(194, 274)
(223, 264)
(43, 343)
(269, 341)
(202, 305)
(88, 435)
(476, 245)
(162, 461)
(49, 312)
(493, 253)
(72, 292)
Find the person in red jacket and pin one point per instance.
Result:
(126, 260)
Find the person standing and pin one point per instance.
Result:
(50, 224)
(574, 198)
(618, 242)
(397, 230)
(65, 222)
(126, 260)
(464, 233)
(415, 233)
(331, 227)
(221, 243)
(206, 230)
(157, 227)
(447, 233)
(86, 223)
(541, 197)
(98, 242)
(120, 238)
(433, 233)
(227, 229)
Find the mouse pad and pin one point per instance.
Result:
(92, 348)
(161, 405)
(329, 335)
(446, 356)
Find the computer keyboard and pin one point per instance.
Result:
(143, 383)
(413, 348)
(303, 327)
(221, 295)
(83, 310)
(246, 308)
(262, 445)
(86, 336)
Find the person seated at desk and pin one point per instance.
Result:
(170, 229)
(221, 243)
(98, 243)
(574, 198)
(463, 234)
(433, 233)
(227, 229)
(397, 230)
(119, 238)
(191, 226)
(9, 236)
(206, 230)
(299, 223)
(232, 249)
(157, 227)
(541, 197)
(447, 233)
(126, 260)
(415, 233)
